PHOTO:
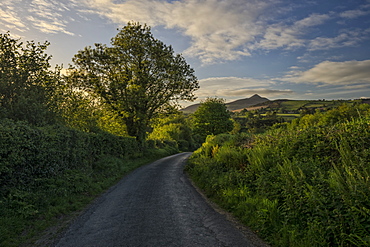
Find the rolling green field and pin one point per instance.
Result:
(286, 116)
(295, 106)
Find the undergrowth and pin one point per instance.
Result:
(297, 184)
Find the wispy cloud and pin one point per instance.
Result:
(281, 35)
(219, 30)
(352, 14)
(333, 73)
(9, 19)
(222, 30)
(46, 16)
(345, 38)
(237, 87)
(261, 91)
(49, 26)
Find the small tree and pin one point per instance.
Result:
(138, 76)
(26, 82)
(212, 118)
(175, 127)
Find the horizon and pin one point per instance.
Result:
(323, 99)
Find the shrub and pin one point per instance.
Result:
(306, 184)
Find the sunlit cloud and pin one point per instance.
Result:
(227, 30)
(333, 73)
(219, 30)
(43, 15)
(9, 19)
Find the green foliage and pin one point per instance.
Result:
(175, 128)
(29, 153)
(305, 183)
(52, 170)
(110, 122)
(77, 109)
(26, 83)
(71, 145)
(212, 118)
(341, 113)
(253, 122)
(137, 77)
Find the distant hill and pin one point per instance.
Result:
(234, 105)
(190, 108)
(245, 103)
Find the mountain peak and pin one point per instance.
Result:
(247, 102)
(255, 96)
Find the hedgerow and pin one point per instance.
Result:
(49, 171)
(295, 185)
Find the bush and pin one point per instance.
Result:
(31, 153)
(296, 186)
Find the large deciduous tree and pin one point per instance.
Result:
(212, 118)
(138, 76)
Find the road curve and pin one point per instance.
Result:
(155, 205)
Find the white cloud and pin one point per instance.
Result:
(219, 30)
(295, 67)
(9, 19)
(345, 38)
(49, 26)
(43, 15)
(49, 16)
(312, 20)
(352, 14)
(333, 73)
(281, 35)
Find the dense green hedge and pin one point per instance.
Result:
(300, 184)
(28, 154)
(50, 171)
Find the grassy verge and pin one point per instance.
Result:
(59, 199)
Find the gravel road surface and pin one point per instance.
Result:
(156, 205)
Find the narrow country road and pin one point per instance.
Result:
(155, 205)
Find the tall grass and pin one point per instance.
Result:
(302, 185)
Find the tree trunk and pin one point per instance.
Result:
(136, 129)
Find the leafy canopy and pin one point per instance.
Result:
(138, 76)
(212, 118)
(26, 82)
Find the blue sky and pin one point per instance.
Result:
(275, 48)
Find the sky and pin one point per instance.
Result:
(279, 49)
